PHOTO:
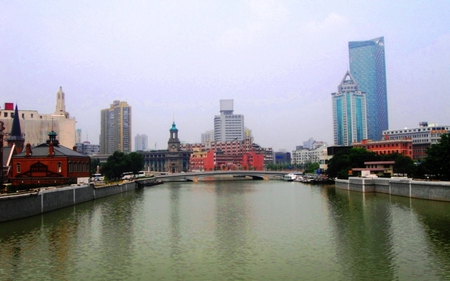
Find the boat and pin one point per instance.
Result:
(289, 177)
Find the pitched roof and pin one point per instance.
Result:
(42, 151)
(16, 132)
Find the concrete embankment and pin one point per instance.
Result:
(430, 190)
(19, 206)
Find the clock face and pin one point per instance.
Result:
(173, 146)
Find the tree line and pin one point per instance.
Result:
(435, 165)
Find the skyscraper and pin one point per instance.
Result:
(115, 131)
(228, 126)
(368, 68)
(349, 112)
(141, 142)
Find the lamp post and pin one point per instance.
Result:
(2, 128)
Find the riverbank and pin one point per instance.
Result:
(406, 187)
(38, 201)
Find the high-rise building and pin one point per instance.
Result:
(115, 131)
(349, 112)
(228, 126)
(35, 126)
(207, 136)
(141, 142)
(368, 68)
(78, 136)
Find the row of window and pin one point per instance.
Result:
(73, 167)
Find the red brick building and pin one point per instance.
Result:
(230, 155)
(48, 164)
(387, 146)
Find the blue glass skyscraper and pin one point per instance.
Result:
(349, 113)
(368, 68)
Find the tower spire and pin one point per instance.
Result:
(60, 103)
(15, 136)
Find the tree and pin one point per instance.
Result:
(345, 160)
(312, 168)
(119, 162)
(136, 162)
(94, 163)
(403, 164)
(438, 158)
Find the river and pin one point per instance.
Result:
(232, 230)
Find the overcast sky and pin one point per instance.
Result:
(174, 60)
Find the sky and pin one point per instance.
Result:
(279, 60)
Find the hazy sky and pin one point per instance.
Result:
(174, 60)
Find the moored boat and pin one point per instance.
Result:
(289, 177)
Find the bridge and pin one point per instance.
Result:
(196, 176)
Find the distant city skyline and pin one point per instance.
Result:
(279, 60)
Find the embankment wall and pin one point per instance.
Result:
(14, 207)
(430, 190)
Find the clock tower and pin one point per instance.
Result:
(174, 142)
(176, 160)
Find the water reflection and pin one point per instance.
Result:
(363, 235)
(233, 220)
(250, 230)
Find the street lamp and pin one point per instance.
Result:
(2, 128)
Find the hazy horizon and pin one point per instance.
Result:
(175, 60)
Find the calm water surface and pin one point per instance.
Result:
(233, 230)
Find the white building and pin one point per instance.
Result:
(207, 136)
(228, 126)
(304, 156)
(422, 137)
(36, 127)
(87, 148)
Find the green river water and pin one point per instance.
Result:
(233, 230)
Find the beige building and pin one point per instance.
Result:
(36, 127)
(115, 128)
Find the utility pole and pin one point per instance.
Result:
(2, 128)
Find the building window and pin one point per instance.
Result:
(18, 167)
(59, 167)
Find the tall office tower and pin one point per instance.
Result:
(115, 131)
(367, 66)
(228, 126)
(349, 112)
(141, 142)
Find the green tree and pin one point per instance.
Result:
(312, 168)
(136, 162)
(94, 163)
(403, 164)
(345, 160)
(438, 158)
(119, 162)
